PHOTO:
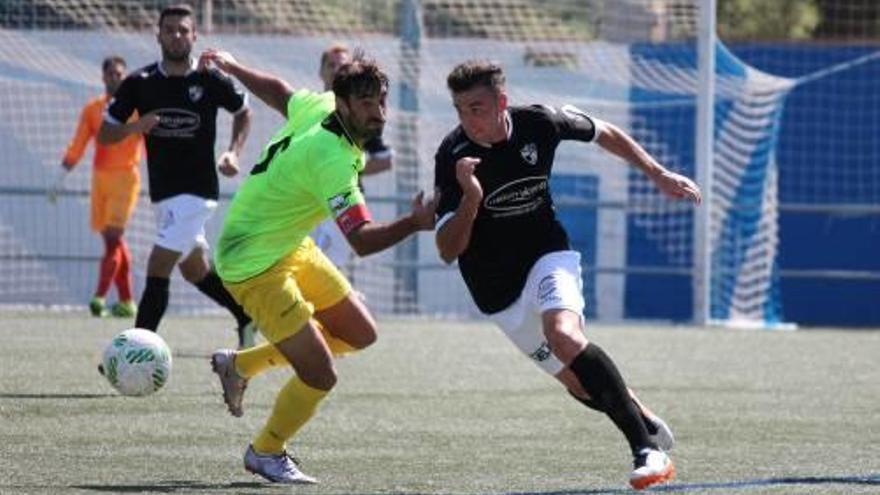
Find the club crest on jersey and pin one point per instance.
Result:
(529, 153)
(195, 93)
(340, 202)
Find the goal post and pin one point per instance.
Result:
(771, 106)
(704, 156)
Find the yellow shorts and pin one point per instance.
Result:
(114, 196)
(283, 298)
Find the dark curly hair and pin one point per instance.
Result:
(360, 77)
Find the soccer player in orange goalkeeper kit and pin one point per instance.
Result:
(115, 187)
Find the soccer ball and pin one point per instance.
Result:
(137, 362)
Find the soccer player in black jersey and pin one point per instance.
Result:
(496, 216)
(178, 111)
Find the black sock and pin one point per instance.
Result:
(587, 402)
(153, 303)
(212, 287)
(652, 430)
(606, 388)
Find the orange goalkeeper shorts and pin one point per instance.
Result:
(114, 196)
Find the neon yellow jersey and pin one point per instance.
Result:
(307, 172)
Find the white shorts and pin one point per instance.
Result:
(553, 283)
(335, 246)
(181, 222)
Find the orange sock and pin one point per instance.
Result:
(123, 274)
(109, 266)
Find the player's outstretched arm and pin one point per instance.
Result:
(372, 237)
(455, 234)
(272, 90)
(617, 141)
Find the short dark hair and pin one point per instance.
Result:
(360, 77)
(336, 47)
(467, 75)
(176, 10)
(112, 60)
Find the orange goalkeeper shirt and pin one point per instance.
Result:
(125, 154)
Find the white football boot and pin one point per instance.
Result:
(234, 385)
(277, 468)
(651, 466)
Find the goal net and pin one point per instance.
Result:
(631, 62)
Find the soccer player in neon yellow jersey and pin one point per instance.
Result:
(300, 301)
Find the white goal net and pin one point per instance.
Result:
(631, 62)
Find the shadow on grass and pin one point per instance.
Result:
(173, 486)
(57, 396)
(865, 480)
(190, 355)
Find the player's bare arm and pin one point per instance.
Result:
(455, 235)
(113, 133)
(227, 164)
(616, 141)
(372, 237)
(272, 90)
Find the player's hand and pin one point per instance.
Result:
(464, 174)
(146, 123)
(678, 186)
(58, 186)
(228, 163)
(218, 58)
(424, 210)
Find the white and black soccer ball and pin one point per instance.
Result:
(137, 362)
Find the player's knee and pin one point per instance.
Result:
(368, 337)
(112, 234)
(322, 378)
(190, 276)
(193, 272)
(364, 337)
(566, 340)
(161, 262)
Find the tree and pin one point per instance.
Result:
(848, 19)
(768, 20)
